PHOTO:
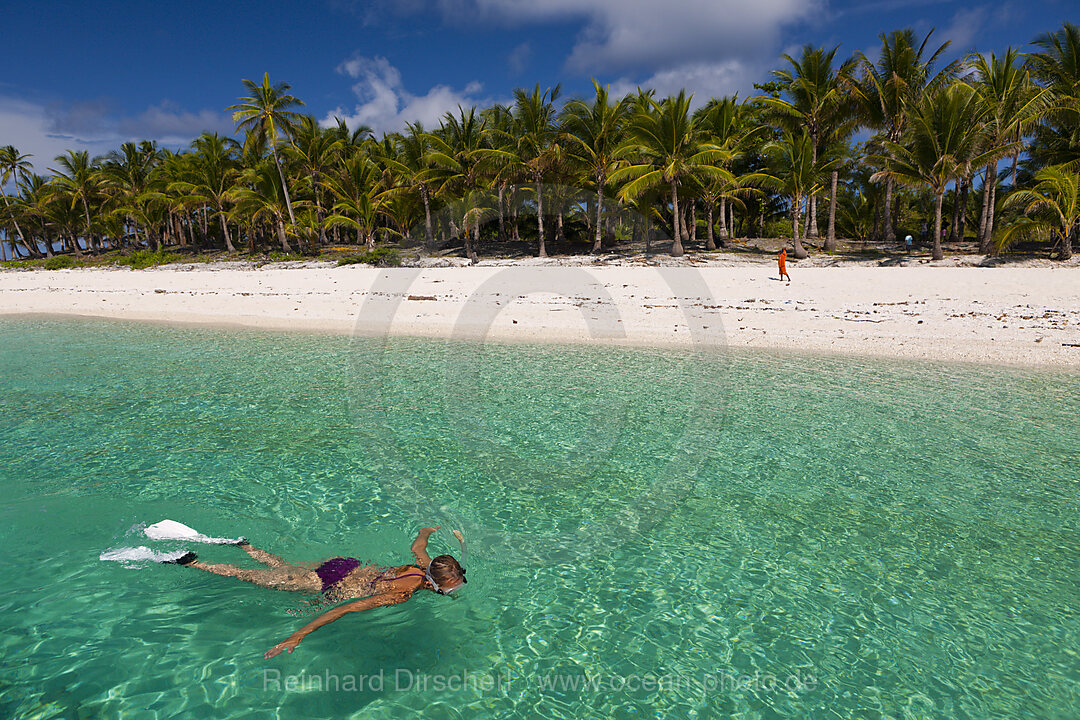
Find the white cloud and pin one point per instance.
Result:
(705, 80)
(29, 128)
(964, 28)
(386, 106)
(45, 131)
(625, 35)
(519, 57)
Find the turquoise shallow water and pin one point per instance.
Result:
(747, 536)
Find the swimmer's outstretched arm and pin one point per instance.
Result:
(419, 545)
(367, 603)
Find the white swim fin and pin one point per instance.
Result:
(141, 554)
(172, 530)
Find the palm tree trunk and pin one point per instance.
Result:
(225, 230)
(284, 185)
(990, 212)
(796, 229)
(723, 221)
(540, 219)
(984, 241)
(45, 238)
(938, 199)
(1067, 243)
(473, 254)
(710, 241)
(830, 236)
(429, 236)
(676, 245)
(955, 212)
(961, 220)
(890, 233)
(599, 237)
(502, 212)
(811, 210)
(732, 232)
(281, 236)
(648, 228)
(18, 232)
(75, 240)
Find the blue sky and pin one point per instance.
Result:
(92, 75)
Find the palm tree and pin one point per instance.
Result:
(799, 174)
(126, 175)
(888, 91)
(14, 167)
(358, 199)
(817, 101)
(595, 131)
(78, 181)
(459, 156)
(413, 163)
(725, 123)
(1013, 105)
(265, 113)
(35, 199)
(1052, 205)
(537, 146)
(212, 178)
(1057, 66)
(260, 196)
(664, 148)
(316, 152)
(944, 137)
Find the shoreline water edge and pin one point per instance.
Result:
(1007, 315)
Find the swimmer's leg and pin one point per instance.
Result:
(259, 555)
(279, 578)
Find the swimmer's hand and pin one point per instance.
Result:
(390, 598)
(289, 645)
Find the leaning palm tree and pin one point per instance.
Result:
(1051, 207)
(35, 200)
(266, 113)
(14, 167)
(664, 148)
(888, 91)
(595, 130)
(944, 137)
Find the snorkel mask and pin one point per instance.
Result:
(464, 555)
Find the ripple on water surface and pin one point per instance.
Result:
(651, 533)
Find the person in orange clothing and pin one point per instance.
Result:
(781, 260)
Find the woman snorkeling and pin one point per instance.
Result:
(345, 578)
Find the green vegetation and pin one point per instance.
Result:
(599, 172)
(142, 259)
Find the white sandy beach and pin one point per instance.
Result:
(1001, 315)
